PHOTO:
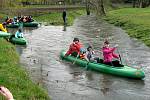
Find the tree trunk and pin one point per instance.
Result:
(2, 3)
(87, 7)
(102, 8)
(140, 3)
(134, 3)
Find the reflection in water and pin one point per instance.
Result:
(19, 49)
(105, 84)
(89, 75)
(65, 26)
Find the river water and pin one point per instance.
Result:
(65, 81)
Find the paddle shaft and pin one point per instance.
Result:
(76, 59)
(119, 56)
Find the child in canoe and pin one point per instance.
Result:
(83, 54)
(91, 55)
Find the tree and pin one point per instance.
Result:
(87, 7)
(98, 5)
(141, 3)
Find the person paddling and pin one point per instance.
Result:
(108, 54)
(74, 48)
(19, 34)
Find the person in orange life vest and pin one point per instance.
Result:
(3, 27)
(74, 48)
(83, 55)
(108, 53)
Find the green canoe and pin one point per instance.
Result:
(20, 41)
(30, 24)
(4, 34)
(125, 71)
(12, 25)
(27, 24)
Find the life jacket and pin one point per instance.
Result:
(82, 56)
(2, 28)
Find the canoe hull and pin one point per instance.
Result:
(12, 26)
(4, 34)
(19, 41)
(125, 71)
(30, 24)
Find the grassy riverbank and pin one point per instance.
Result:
(15, 77)
(135, 21)
(55, 18)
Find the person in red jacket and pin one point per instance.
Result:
(74, 48)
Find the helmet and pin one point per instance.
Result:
(82, 50)
(15, 17)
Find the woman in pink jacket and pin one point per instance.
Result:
(108, 54)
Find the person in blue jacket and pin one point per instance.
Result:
(19, 34)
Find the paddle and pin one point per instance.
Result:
(119, 56)
(75, 59)
(86, 67)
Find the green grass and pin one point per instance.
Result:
(15, 78)
(2, 17)
(136, 21)
(55, 18)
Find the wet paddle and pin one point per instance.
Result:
(119, 56)
(86, 67)
(75, 59)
